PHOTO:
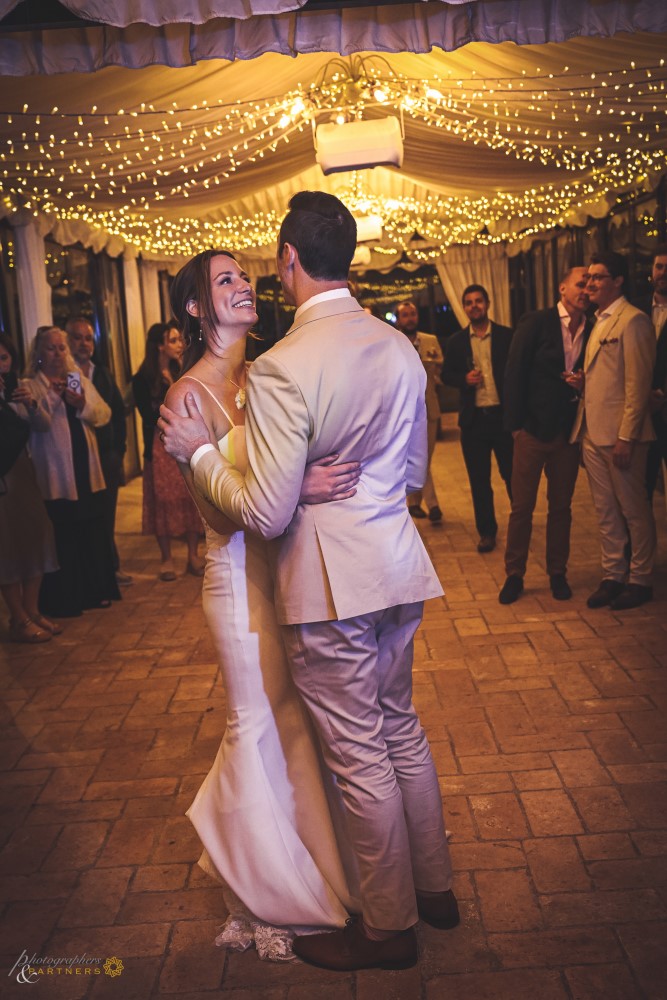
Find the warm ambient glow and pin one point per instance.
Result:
(46, 165)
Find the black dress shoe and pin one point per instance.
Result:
(416, 511)
(439, 910)
(560, 588)
(607, 592)
(349, 949)
(487, 543)
(511, 590)
(435, 514)
(633, 596)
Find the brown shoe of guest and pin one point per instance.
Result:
(633, 596)
(349, 949)
(439, 909)
(607, 592)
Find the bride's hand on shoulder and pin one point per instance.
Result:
(327, 480)
(181, 426)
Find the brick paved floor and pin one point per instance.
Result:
(547, 722)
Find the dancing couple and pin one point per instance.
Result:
(322, 812)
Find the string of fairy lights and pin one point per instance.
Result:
(114, 169)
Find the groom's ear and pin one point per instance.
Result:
(288, 255)
(192, 307)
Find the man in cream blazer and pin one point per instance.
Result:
(350, 576)
(428, 349)
(614, 426)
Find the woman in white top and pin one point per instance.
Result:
(70, 478)
(267, 812)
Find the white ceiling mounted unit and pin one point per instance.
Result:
(369, 228)
(357, 145)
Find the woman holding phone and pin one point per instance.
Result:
(70, 477)
(26, 536)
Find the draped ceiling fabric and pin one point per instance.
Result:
(161, 34)
(122, 157)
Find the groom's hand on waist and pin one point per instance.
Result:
(183, 435)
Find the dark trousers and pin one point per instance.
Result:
(112, 468)
(657, 454)
(560, 463)
(484, 436)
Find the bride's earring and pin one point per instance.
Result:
(200, 333)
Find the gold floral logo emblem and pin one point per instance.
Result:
(113, 966)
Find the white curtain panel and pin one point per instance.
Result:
(136, 331)
(33, 289)
(477, 265)
(150, 293)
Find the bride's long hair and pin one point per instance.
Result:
(193, 282)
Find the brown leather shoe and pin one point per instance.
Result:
(349, 949)
(607, 592)
(439, 910)
(633, 596)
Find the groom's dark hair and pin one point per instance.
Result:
(323, 233)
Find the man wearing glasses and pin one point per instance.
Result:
(614, 425)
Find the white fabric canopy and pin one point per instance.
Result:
(123, 158)
(165, 161)
(410, 27)
(155, 12)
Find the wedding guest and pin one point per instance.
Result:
(26, 536)
(70, 478)
(475, 362)
(112, 437)
(655, 306)
(168, 510)
(540, 406)
(614, 425)
(428, 349)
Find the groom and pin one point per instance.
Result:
(351, 577)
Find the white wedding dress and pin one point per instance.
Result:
(268, 812)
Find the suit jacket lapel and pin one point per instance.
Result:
(594, 340)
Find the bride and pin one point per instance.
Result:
(267, 813)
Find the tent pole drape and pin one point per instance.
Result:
(136, 337)
(150, 293)
(34, 290)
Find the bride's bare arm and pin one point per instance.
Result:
(214, 518)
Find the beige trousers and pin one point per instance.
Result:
(355, 677)
(622, 508)
(428, 491)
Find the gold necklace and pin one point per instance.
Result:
(239, 398)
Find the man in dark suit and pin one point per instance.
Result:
(540, 408)
(111, 439)
(655, 307)
(475, 361)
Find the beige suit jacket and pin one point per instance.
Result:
(341, 381)
(618, 368)
(429, 351)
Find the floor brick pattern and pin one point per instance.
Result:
(547, 723)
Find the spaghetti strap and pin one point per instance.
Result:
(214, 398)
